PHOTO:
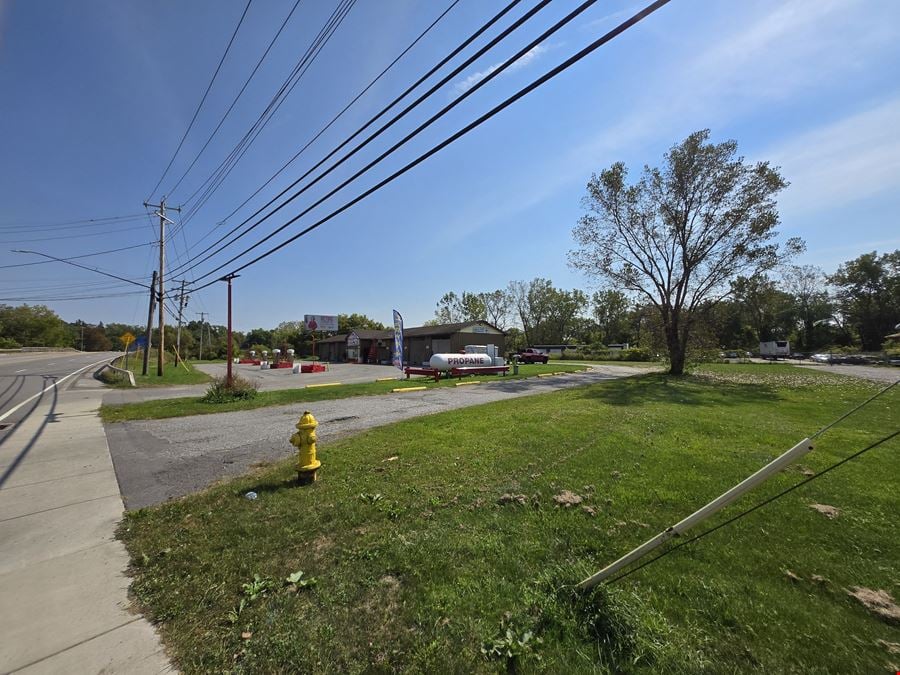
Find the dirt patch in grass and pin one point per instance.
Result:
(830, 512)
(880, 603)
(890, 647)
(567, 499)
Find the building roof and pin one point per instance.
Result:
(340, 337)
(418, 331)
(445, 329)
(369, 334)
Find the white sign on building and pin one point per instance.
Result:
(324, 322)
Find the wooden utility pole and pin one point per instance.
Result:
(181, 304)
(146, 364)
(202, 315)
(229, 378)
(161, 350)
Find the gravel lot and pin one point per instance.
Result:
(157, 460)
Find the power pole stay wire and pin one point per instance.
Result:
(726, 498)
(755, 507)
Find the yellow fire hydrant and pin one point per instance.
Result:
(304, 439)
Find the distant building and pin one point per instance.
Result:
(557, 350)
(376, 346)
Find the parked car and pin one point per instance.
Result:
(530, 355)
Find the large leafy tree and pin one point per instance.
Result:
(347, 322)
(768, 310)
(453, 308)
(497, 308)
(868, 295)
(611, 311)
(548, 314)
(806, 285)
(33, 326)
(677, 236)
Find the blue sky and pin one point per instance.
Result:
(97, 94)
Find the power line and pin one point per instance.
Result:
(84, 267)
(202, 101)
(17, 229)
(509, 101)
(496, 40)
(71, 236)
(753, 508)
(211, 184)
(73, 222)
(75, 257)
(72, 297)
(236, 98)
(348, 106)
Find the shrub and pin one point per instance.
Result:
(637, 354)
(241, 389)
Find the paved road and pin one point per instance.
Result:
(24, 376)
(157, 460)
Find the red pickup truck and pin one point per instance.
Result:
(532, 356)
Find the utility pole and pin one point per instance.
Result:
(229, 378)
(181, 304)
(146, 364)
(202, 316)
(161, 350)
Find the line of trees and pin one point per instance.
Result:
(852, 309)
(39, 326)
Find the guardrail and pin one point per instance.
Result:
(119, 371)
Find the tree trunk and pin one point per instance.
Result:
(677, 345)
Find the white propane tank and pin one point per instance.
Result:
(448, 361)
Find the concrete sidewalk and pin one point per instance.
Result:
(63, 585)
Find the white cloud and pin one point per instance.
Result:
(474, 78)
(842, 162)
(784, 54)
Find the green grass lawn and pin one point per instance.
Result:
(615, 362)
(192, 405)
(421, 564)
(173, 374)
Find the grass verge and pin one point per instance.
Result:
(436, 544)
(193, 405)
(173, 375)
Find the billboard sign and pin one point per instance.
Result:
(324, 322)
(398, 340)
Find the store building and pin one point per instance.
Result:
(376, 346)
